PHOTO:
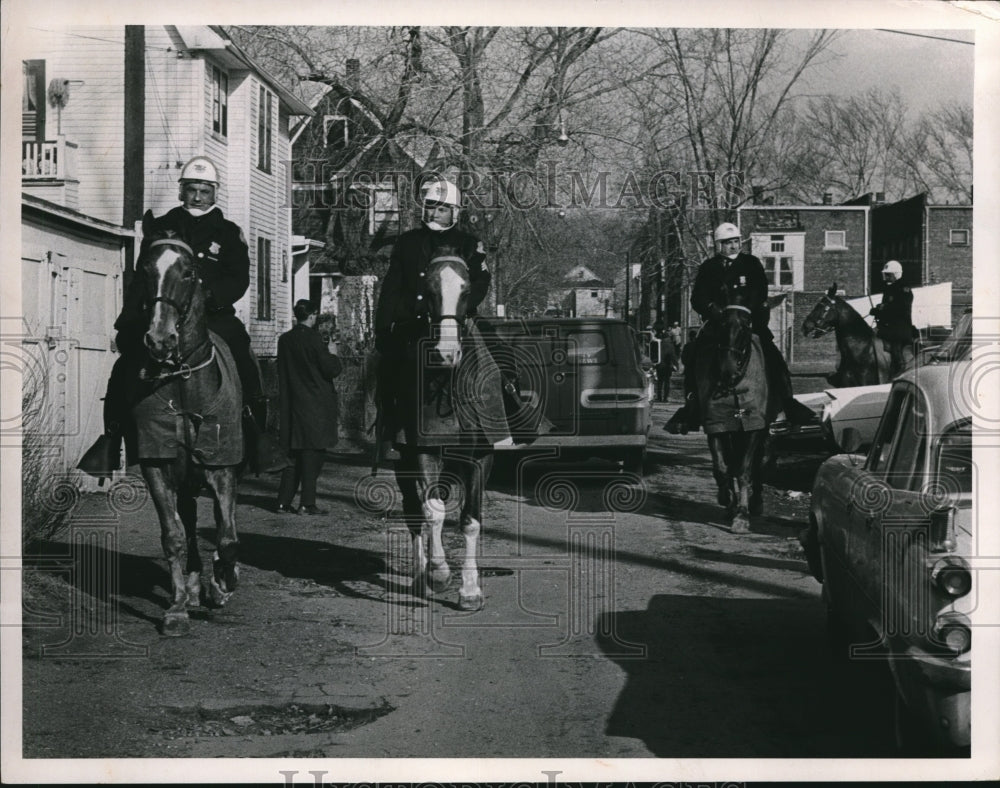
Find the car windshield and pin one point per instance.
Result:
(954, 459)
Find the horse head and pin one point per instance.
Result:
(173, 292)
(734, 347)
(448, 288)
(824, 316)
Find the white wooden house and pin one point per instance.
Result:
(109, 116)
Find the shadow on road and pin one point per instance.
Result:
(741, 678)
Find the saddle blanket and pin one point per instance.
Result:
(209, 427)
(742, 409)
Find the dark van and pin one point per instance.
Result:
(582, 384)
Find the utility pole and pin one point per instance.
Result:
(628, 276)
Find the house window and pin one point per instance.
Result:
(264, 107)
(958, 238)
(835, 239)
(263, 278)
(335, 132)
(779, 272)
(383, 210)
(777, 243)
(33, 100)
(220, 101)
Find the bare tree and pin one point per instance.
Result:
(938, 153)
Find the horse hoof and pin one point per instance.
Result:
(175, 623)
(217, 595)
(472, 602)
(740, 525)
(438, 580)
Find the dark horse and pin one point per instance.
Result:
(863, 361)
(737, 408)
(444, 433)
(188, 427)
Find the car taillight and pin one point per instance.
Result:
(953, 632)
(942, 530)
(952, 576)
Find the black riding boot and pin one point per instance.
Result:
(688, 417)
(104, 457)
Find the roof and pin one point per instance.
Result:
(31, 204)
(946, 390)
(215, 39)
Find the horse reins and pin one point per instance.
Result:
(743, 354)
(183, 370)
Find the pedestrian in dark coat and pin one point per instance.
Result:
(308, 406)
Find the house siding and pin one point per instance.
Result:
(94, 114)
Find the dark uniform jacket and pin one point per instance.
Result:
(223, 262)
(403, 298)
(308, 400)
(895, 314)
(716, 280)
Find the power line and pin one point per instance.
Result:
(924, 35)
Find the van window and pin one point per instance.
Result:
(587, 347)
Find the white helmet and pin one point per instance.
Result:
(726, 231)
(201, 169)
(893, 267)
(445, 193)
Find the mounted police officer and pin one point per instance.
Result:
(893, 318)
(223, 263)
(726, 271)
(403, 301)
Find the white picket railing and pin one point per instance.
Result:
(52, 159)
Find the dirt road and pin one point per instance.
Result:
(622, 620)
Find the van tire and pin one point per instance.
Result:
(634, 461)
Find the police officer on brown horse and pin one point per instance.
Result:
(725, 272)
(223, 260)
(894, 318)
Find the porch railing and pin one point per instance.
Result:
(48, 160)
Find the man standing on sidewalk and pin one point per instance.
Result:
(309, 409)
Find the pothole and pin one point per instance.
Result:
(294, 718)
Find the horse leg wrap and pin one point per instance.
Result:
(438, 571)
(193, 586)
(470, 596)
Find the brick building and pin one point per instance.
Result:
(805, 248)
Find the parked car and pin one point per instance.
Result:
(890, 537)
(584, 384)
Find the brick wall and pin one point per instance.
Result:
(947, 262)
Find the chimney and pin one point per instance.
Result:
(827, 198)
(353, 78)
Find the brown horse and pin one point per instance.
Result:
(188, 427)
(861, 363)
(443, 437)
(737, 407)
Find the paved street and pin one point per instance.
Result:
(622, 620)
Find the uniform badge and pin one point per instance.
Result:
(214, 248)
(743, 281)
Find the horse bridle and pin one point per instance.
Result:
(817, 332)
(183, 370)
(182, 311)
(742, 354)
